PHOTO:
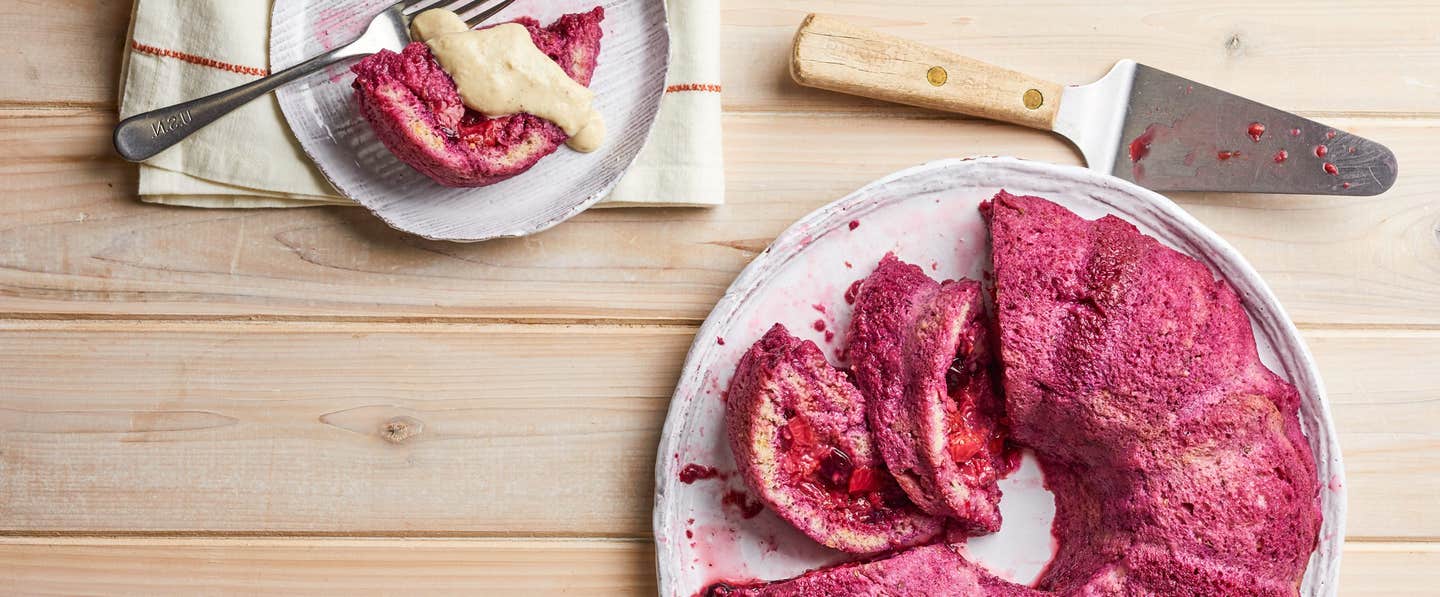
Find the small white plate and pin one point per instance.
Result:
(927, 215)
(629, 80)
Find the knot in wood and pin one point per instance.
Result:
(399, 429)
(1233, 45)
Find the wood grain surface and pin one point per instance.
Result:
(306, 402)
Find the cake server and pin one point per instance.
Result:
(142, 136)
(1138, 123)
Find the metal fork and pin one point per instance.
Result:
(140, 137)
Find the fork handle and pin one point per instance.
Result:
(832, 54)
(142, 136)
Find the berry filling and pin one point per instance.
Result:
(829, 475)
(975, 433)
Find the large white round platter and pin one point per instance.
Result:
(628, 83)
(927, 215)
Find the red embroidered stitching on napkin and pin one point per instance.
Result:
(710, 87)
(200, 60)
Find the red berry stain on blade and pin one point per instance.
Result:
(1344, 185)
(1321, 150)
(1330, 135)
(741, 501)
(1280, 156)
(1349, 150)
(1256, 131)
(1225, 155)
(1140, 146)
(854, 224)
(720, 340)
(1331, 169)
(695, 472)
(1294, 132)
(829, 336)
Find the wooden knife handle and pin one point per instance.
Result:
(832, 54)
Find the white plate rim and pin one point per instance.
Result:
(1322, 573)
(529, 227)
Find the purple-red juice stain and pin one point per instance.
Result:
(819, 325)
(1294, 132)
(1331, 169)
(1225, 155)
(741, 501)
(829, 336)
(1256, 131)
(1321, 150)
(695, 472)
(1344, 185)
(852, 292)
(720, 340)
(1330, 135)
(1281, 155)
(854, 224)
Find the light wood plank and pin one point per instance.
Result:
(62, 51)
(152, 567)
(168, 566)
(1301, 56)
(1304, 56)
(1389, 569)
(73, 240)
(306, 428)
(230, 427)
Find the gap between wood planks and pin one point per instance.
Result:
(490, 566)
(54, 320)
(870, 109)
(82, 537)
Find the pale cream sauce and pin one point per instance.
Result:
(500, 72)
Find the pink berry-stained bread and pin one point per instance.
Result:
(921, 352)
(1176, 457)
(801, 443)
(416, 111)
(930, 571)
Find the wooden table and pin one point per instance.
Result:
(304, 401)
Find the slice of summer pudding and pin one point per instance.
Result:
(921, 354)
(417, 111)
(798, 432)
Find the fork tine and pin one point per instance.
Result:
(414, 6)
(460, 7)
(489, 12)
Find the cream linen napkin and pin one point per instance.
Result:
(184, 49)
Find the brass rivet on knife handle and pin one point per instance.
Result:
(937, 75)
(830, 53)
(1034, 99)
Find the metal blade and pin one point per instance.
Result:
(1169, 133)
